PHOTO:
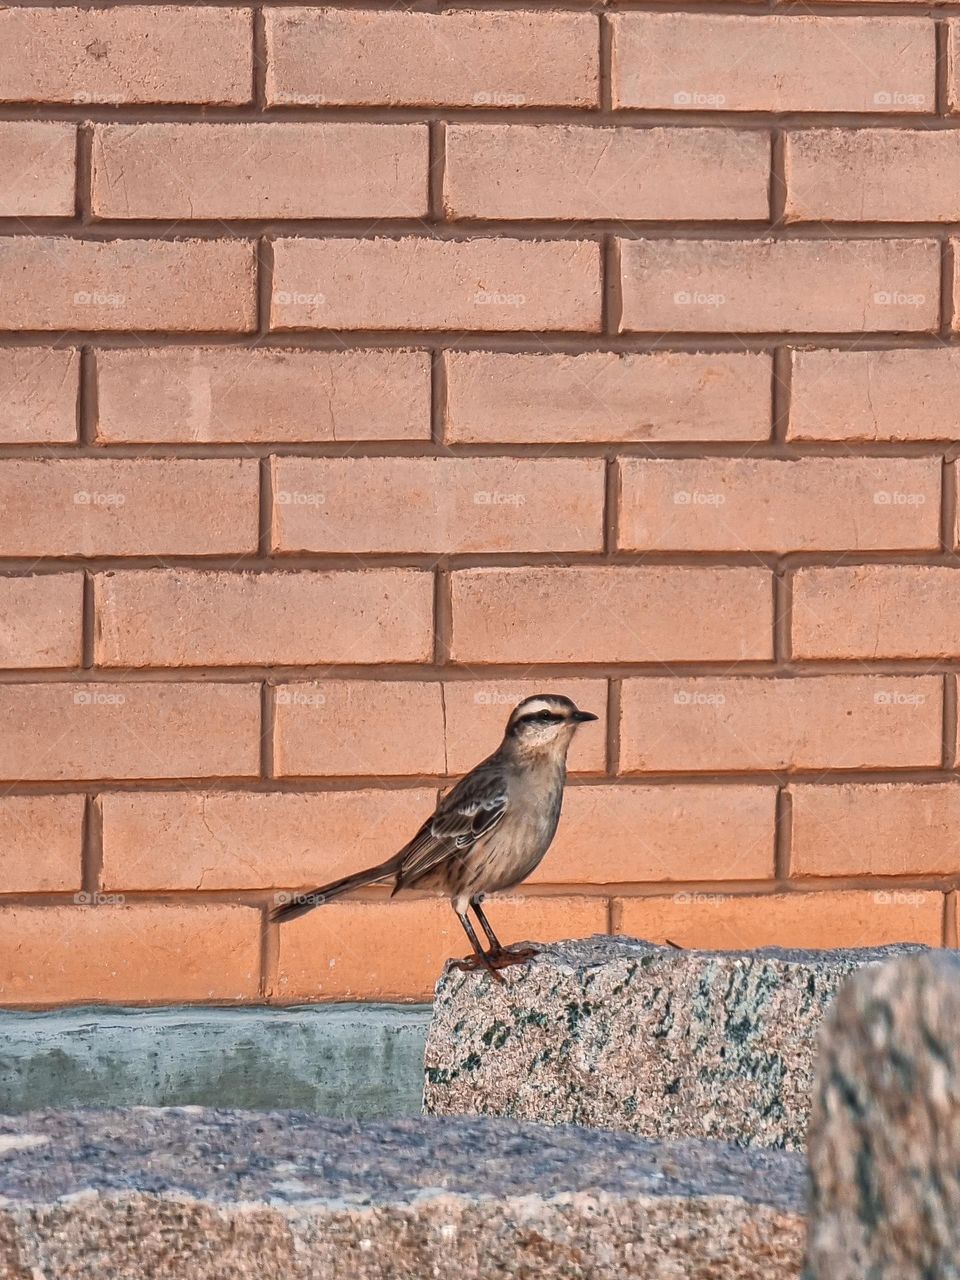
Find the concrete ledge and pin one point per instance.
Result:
(616, 1033)
(351, 1061)
(151, 1194)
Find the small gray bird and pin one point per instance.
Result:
(488, 833)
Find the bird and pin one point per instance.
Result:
(487, 834)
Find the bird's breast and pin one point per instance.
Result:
(516, 845)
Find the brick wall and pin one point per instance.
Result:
(363, 370)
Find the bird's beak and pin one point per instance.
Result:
(581, 717)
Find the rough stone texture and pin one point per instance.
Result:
(619, 1034)
(885, 1127)
(219, 1195)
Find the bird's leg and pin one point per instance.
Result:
(485, 925)
(500, 956)
(479, 958)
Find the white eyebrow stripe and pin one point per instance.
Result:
(533, 705)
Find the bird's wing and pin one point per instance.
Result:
(471, 810)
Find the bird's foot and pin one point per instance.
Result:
(503, 957)
(473, 962)
(494, 959)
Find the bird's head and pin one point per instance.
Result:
(545, 724)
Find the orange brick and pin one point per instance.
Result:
(40, 843)
(876, 611)
(37, 168)
(576, 171)
(875, 395)
(274, 170)
(57, 283)
(173, 394)
(493, 283)
(761, 62)
(382, 728)
(128, 507)
(195, 617)
(438, 504)
(39, 387)
(344, 727)
(746, 504)
(875, 829)
(720, 922)
(131, 954)
(611, 835)
(477, 713)
(397, 950)
(356, 727)
(130, 53)
(847, 175)
(176, 840)
(665, 395)
(329, 57)
(953, 66)
(955, 249)
(712, 723)
(762, 286)
(102, 730)
(41, 620)
(596, 614)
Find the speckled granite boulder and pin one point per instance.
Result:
(619, 1034)
(190, 1194)
(885, 1130)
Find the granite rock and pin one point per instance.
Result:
(616, 1033)
(193, 1194)
(884, 1146)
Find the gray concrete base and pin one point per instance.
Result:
(345, 1061)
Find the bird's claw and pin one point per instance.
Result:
(492, 961)
(512, 955)
(471, 963)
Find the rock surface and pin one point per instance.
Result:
(616, 1033)
(885, 1130)
(191, 1194)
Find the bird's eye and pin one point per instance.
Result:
(546, 716)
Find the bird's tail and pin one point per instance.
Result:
(301, 903)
